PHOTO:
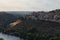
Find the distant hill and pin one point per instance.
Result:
(6, 18)
(21, 13)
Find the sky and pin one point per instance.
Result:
(29, 5)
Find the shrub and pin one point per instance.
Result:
(1, 39)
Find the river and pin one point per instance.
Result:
(9, 37)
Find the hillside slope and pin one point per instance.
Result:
(6, 19)
(36, 30)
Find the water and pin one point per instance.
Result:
(8, 37)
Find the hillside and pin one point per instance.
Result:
(35, 29)
(6, 19)
(36, 26)
(53, 15)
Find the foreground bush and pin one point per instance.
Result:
(1, 39)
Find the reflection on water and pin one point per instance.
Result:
(8, 37)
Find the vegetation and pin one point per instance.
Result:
(1, 39)
(37, 30)
(33, 28)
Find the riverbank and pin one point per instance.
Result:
(8, 37)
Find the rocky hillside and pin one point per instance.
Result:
(37, 26)
(53, 15)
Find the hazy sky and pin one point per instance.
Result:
(18, 5)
